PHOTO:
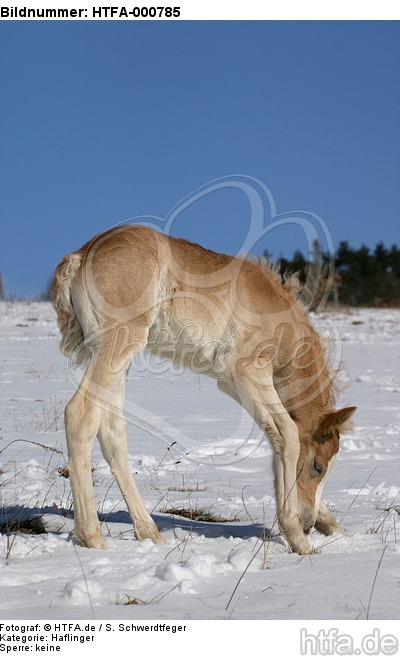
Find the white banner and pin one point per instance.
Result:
(134, 10)
(73, 637)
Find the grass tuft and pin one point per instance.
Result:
(27, 526)
(127, 600)
(198, 515)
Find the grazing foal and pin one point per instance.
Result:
(133, 288)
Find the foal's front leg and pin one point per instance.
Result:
(255, 388)
(287, 501)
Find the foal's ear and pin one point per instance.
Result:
(339, 419)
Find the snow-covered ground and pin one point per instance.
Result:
(219, 463)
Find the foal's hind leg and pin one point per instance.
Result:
(82, 420)
(113, 442)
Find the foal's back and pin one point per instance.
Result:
(189, 297)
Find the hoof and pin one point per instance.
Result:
(307, 551)
(149, 533)
(90, 542)
(303, 548)
(158, 539)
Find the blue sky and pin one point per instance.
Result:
(102, 122)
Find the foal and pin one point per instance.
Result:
(133, 288)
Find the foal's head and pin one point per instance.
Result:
(318, 451)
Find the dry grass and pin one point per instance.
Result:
(198, 515)
(127, 600)
(25, 526)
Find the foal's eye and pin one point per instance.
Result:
(318, 467)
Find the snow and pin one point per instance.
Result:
(221, 463)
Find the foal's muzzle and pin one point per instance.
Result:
(308, 519)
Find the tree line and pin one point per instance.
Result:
(362, 276)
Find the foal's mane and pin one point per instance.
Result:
(289, 281)
(291, 284)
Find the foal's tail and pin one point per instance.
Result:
(72, 335)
